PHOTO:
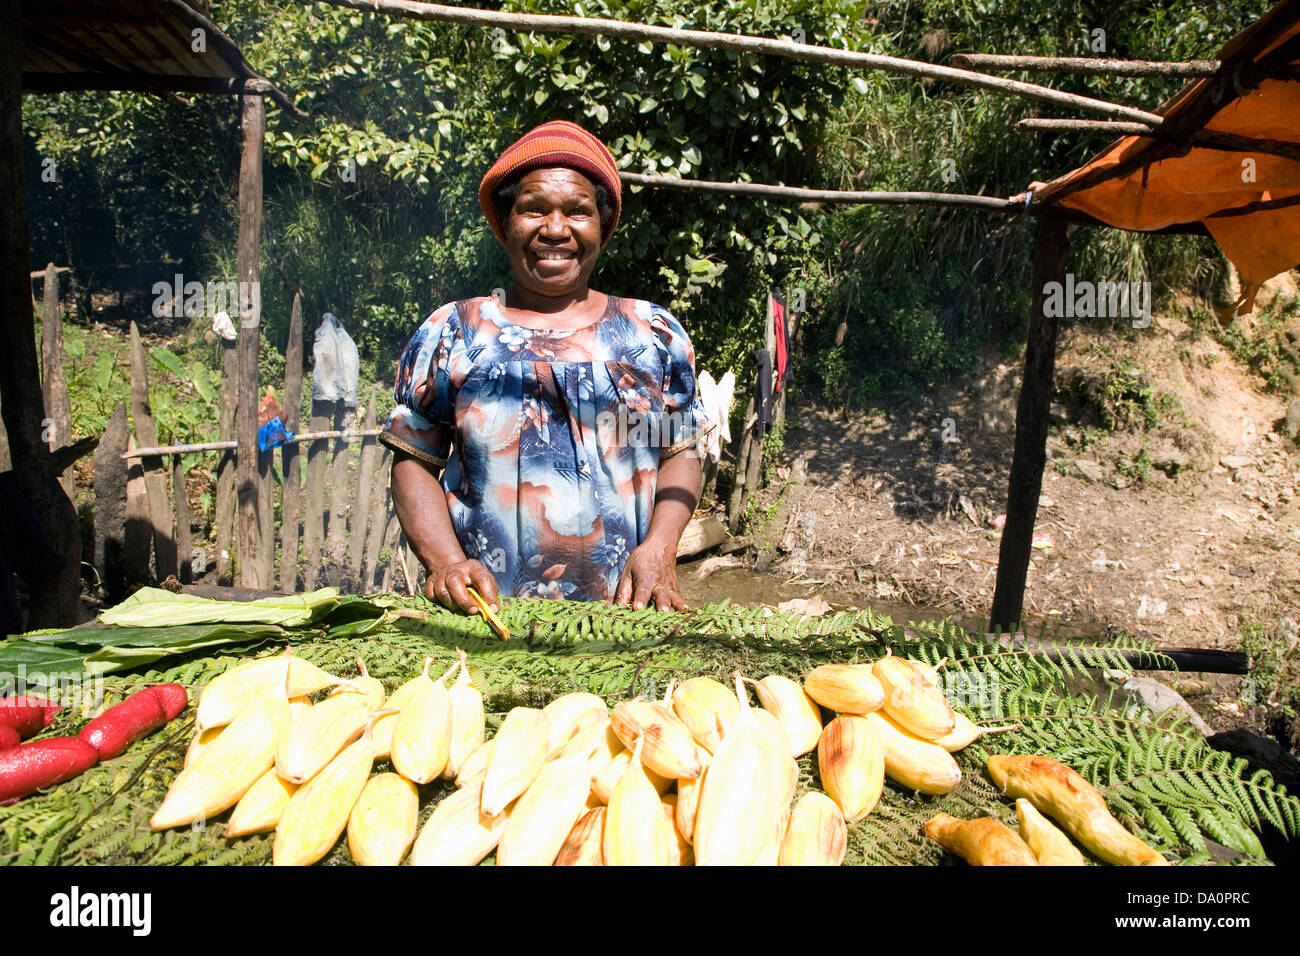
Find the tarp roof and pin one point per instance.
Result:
(1170, 187)
(146, 45)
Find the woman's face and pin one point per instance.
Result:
(553, 232)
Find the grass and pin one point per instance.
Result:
(1274, 663)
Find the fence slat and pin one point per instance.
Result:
(58, 405)
(379, 504)
(291, 495)
(184, 541)
(361, 503)
(160, 509)
(110, 506)
(224, 506)
(336, 538)
(313, 526)
(137, 533)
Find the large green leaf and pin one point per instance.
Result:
(149, 607)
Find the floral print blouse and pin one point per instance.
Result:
(551, 440)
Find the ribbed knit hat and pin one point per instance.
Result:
(557, 143)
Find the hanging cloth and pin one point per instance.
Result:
(782, 343)
(763, 404)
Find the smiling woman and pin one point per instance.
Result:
(547, 443)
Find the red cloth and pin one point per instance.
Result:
(782, 357)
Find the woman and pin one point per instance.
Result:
(564, 421)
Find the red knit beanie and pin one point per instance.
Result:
(557, 143)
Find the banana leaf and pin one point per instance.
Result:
(155, 607)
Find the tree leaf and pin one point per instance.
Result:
(169, 361)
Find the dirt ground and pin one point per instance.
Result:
(898, 509)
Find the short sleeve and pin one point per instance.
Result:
(422, 422)
(685, 424)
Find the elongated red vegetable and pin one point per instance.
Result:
(27, 715)
(173, 698)
(122, 724)
(8, 737)
(42, 763)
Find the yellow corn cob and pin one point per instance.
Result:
(371, 688)
(224, 771)
(458, 833)
(202, 740)
(771, 853)
(738, 810)
(474, 768)
(844, 688)
(569, 715)
(382, 733)
(245, 684)
(911, 701)
(1051, 847)
(1075, 804)
(318, 734)
(852, 765)
(785, 772)
(260, 807)
(607, 778)
(634, 821)
(981, 842)
(688, 800)
(467, 720)
(797, 712)
(516, 758)
(915, 763)
(680, 851)
(382, 825)
(588, 743)
(317, 814)
(966, 732)
(668, 749)
(544, 815)
(816, 835)
(706, 708)
(422, 734)
(583, 845)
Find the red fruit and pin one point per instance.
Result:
(42, 763)
(122, 724)
(8, 737)
(173, 698)
(27, 715)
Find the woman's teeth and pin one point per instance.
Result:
(553, 255)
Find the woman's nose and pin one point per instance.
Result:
(555, 224)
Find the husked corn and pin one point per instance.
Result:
(318, 812)
(912, 701)
(246, 684)
(668, 747)
(382, 733)
(517, 757)
(966, 732)
(680, 851)
(583, 845)
(474, 769)
(634, 820)
(852, 765)
(798, 713)
(688, 800)
(816, 835)
(569, 715)
(260, 807)
(458, 833)
(422, 735)
(844, 688)
(706, 708)
(382, 825)
(604, 781)
(544, 815)
(319, 733)
(468, 722)
(915, 763)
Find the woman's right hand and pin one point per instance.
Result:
(447, 585)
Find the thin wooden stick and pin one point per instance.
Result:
(1084, 65)
(349, 436)
(798, 194)
(1206, 139)
(592, 26)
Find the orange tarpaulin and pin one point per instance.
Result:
(1203, 184)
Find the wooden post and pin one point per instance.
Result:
(138, 531)
(255, 570)
(110, 506)
(54, 382)
(749, 463)
(184, 541)
(160, 508)
(336, 538)
(224, 506)
(289, 464)
(361, 503)
(391, 536)
(380, 503)
(1051, 254)
(57, 600)
(313, 521)
(736, 505)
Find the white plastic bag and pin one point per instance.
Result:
(337, 364)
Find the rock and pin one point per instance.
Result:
(1045, 502)
(1158, 697)
(1236, 462)
(1090, 469)
(1292, 422)
(1171, 460)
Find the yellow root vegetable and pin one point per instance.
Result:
(981, 842)
(1051, 847)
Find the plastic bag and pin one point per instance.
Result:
(337, 364)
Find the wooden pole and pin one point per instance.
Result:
(336, 539)
(291, 497)
(380, 503)
(1205, 139)
(138, 532)
(313, 520)
(110, 506)
(155, 481)
(706, 39)
(1051, 254)
(54, 382)
(1083, 65)
(57, 600)
(799, 194)
(361, 503)
(255, 568)
(736, 504)
(224, 505)
(184, 540)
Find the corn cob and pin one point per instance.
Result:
(475, 767)
(816, 835)
(259, 809)
(915, 763)
(844, 688)
(422, 734)
(458, 833)
(318, 734)
(911, 701)
(785, 772)
(583, 845)
(1073, 802)
(589, 744)
(245, 684)
(1051, 847)
(797, 712)
(202, 740)
(516, 758)
(852, 765)
(771, 853)
(688, 800)
(680, 851)
(382, 825)
(668, 749)
(706, 708)
(384, 726)
(981, 842)
(224, 771)
(371, 688)
(966, 732)
(735, 819)
(544, 815)
(607, 778)
(634, 821)
(467, 720)
(569, 715)
(317, 814)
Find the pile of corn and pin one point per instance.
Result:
(701, 777)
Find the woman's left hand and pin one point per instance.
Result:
(650, 577)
